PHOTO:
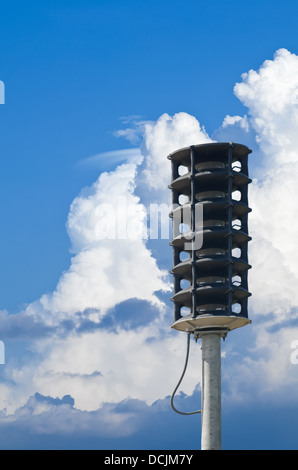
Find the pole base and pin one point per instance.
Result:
(203, 322)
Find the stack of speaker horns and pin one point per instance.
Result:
(210, 280)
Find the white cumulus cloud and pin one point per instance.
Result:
(112, 262)
(273, 114)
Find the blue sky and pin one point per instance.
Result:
(97, 93)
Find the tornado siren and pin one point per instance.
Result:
(210, 261)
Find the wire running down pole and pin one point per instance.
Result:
(180, 380)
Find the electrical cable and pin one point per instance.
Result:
(180, 380)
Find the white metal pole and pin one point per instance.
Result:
(211, 391)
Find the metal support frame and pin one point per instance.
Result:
(193, 229)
